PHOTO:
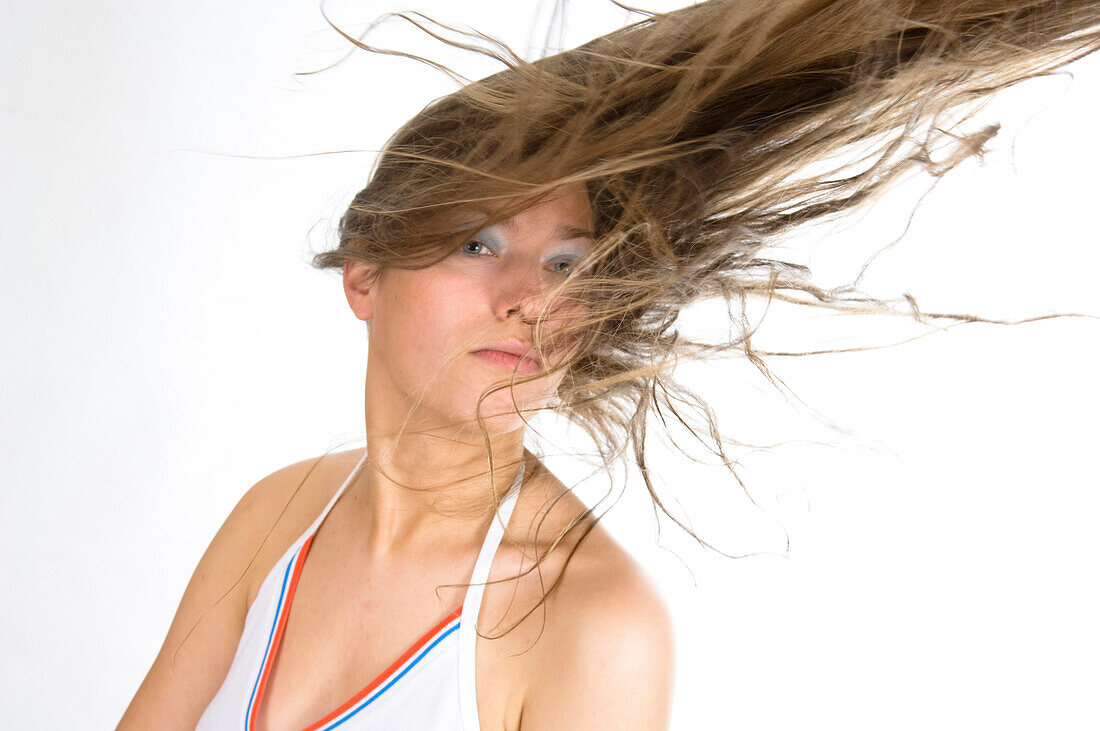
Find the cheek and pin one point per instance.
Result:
(426, 315)
(565, 327)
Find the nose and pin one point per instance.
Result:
(520, 287)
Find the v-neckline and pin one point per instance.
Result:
(448, 626)
(283, 608)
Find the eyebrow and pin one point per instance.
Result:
(563, 232)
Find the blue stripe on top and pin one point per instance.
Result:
(274, 624)
(375, 696)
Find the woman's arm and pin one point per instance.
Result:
(186, 674)
(610, 664)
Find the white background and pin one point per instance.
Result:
(165, 345)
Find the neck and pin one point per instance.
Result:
(428, 484)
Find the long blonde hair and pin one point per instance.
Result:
(705, 137)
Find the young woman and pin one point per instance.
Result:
(527, 243)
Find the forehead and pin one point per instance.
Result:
(564, 214)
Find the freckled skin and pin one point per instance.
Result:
(424, 323)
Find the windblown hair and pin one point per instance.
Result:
(704, 136)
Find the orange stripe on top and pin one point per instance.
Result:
(385, 674)
(284, 612)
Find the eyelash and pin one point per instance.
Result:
(472, 241)
(471, 254)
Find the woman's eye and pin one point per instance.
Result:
(466, 248)
(568, 267)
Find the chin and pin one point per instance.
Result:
(499, 413)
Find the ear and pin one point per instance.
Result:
(359, 288)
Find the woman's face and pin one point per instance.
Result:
(432, 330)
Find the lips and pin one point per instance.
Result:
(510, 355)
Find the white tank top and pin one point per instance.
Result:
(431, 687)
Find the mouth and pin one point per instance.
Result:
(508, 361)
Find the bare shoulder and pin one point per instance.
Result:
(282, 505)
(198, 648)
(607, 655)
(278, 504)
